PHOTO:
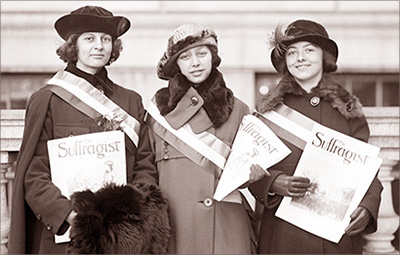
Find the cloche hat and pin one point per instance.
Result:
(300, 30)
(184, 38)
(91, 19)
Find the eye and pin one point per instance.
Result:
(202, 53)
(107, 39)
(309, 50)
(290, 52)
(184, 56)
(88, 38)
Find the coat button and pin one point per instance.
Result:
(314, 101)
(166, 143)
(208, 202)
(39, 217)
(49, 227)
(166, 156)
(166, 149)
(194, 101)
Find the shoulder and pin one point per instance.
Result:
(125, 92)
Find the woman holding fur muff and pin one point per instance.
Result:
(305, 55)
(196, 114)
(129, 218)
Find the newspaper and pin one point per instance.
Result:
(341, 169)
(87, 161)
(255, 143)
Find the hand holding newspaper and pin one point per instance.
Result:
(87, 161)
(254, 143)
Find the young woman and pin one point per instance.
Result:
(305, 55)
(198, 105)
(39, 209)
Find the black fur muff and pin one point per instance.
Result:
(120, 219)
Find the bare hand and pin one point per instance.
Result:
(293, 186)
(359, 221)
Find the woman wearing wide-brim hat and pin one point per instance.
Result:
(69, 105)
(305, 55)
(198, 103)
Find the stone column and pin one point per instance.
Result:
(12, 126)
(384, 126)
(388, 220)
(6, 163)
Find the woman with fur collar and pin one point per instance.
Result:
(305, 55)
(197, 99)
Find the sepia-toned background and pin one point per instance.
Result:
(367, 33)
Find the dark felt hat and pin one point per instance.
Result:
(301, 30)
(91, 19)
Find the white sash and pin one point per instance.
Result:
(92, 97)
(205, 143)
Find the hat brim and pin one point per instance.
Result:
(168, 66)
(80, 23)
(324, 43)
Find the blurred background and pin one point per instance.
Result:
(367, 33)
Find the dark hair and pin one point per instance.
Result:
(328, 63)
(216, 60)
(67, 51)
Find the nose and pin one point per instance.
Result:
(195, 61)
(300, 57)
(98, 44)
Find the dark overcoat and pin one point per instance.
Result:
(39, 210)
(337, 110)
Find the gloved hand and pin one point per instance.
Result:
(292, 186)
(359, 221)
(256, 174)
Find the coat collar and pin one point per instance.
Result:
(218, 101)
(327, 89)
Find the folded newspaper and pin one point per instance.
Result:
(341, 169)
(87, 161)
(255, 143)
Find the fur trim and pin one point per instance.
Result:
(218, 99)
(328, 89)
(128, 219)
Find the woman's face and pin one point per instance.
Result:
(94, 50)
(196, 64)
(304, 62)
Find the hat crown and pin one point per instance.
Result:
(305, 27)
(93, 11)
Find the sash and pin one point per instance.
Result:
(289, 125)
(89, 100)
(204, 147)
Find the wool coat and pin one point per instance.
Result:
(337, 110)
(39, 210)
(199, 224)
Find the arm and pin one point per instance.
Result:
(144, 169)
(43, 197)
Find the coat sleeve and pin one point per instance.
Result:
(43, 197)
(372, 199)
(144, 167)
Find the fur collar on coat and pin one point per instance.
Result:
(218, 99)
(328, 89)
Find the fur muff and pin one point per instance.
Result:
(328, 89)
(218, 99)
(120, 219)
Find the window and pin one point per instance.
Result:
(16, 88)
